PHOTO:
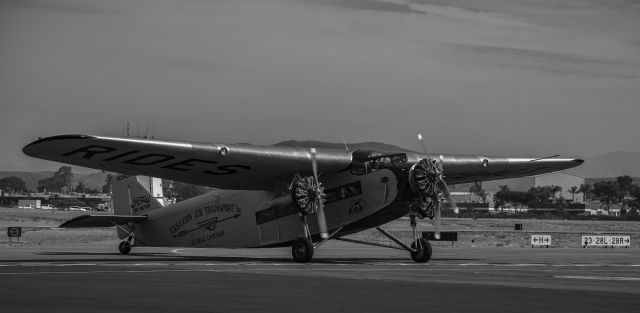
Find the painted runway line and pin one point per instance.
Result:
(332, 264)
(115, 271)
(619, 278)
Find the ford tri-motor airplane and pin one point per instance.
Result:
(271, 196)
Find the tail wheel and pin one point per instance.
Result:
(124, 247)
(302, 250)
(423, 253)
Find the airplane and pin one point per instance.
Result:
(268, 196)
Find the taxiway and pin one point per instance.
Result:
(343, 278)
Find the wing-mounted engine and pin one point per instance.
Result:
(427, 181)
(308, 194)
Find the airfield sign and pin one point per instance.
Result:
(14, 232)
(606, 241)
(540, 240)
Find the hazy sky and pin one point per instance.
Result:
(493, 77)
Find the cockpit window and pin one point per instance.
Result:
(377, 161)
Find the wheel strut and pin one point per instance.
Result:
(394, 239)
(125, 246)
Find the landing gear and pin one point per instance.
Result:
(124, 247)
(422, 253)
(303, 247)
(420, 249)
(302, 250)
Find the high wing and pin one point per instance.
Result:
(224, 166)
(249, 167)
(466, 169)
(101, 220)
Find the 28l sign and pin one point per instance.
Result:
(606, 241)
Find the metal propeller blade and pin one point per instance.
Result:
(424, 149)
(451, 204)
(437, 221)
(442, 185)
(322, 220)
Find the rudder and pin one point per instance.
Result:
(135, 195)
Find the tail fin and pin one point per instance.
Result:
(136, 195)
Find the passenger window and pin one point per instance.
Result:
(332, 195)
(266, 215)
(353, 189)
(286, 210)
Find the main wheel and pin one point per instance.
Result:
(302, 250)
(423, 255)
(124, 247)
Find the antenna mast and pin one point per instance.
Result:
(345, 142)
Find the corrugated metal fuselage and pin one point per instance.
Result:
(225, 218)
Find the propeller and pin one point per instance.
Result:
(322, 220)
(429, 182)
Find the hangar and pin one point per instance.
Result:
(564, 180)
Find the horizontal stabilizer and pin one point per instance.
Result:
(101, 220)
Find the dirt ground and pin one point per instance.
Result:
(40, 229)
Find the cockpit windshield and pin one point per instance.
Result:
(375, 161)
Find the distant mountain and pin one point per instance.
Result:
(383, 147)
(614, 164)
(92, 181)
(594, 180)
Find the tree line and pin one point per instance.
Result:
(60, 182)
(622, 191)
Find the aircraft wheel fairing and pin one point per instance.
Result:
(302, 250)
(423, 255)
(124, 247)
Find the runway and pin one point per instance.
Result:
(343, 278)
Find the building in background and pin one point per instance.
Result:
(564, 180)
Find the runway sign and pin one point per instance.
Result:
(14, 232)
(606, 241)
(540, 240)
(444, 236)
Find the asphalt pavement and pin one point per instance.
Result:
(344, 277)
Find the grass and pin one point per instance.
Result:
(500, 232)
(39, 229)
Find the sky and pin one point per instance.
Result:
(487, 77)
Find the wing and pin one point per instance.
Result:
(101, 220)
(233, 166)
(466, 169)
(237, 166)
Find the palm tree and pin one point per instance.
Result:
(585, 189)
(573, 192)
(477, 190)
(555, 189)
